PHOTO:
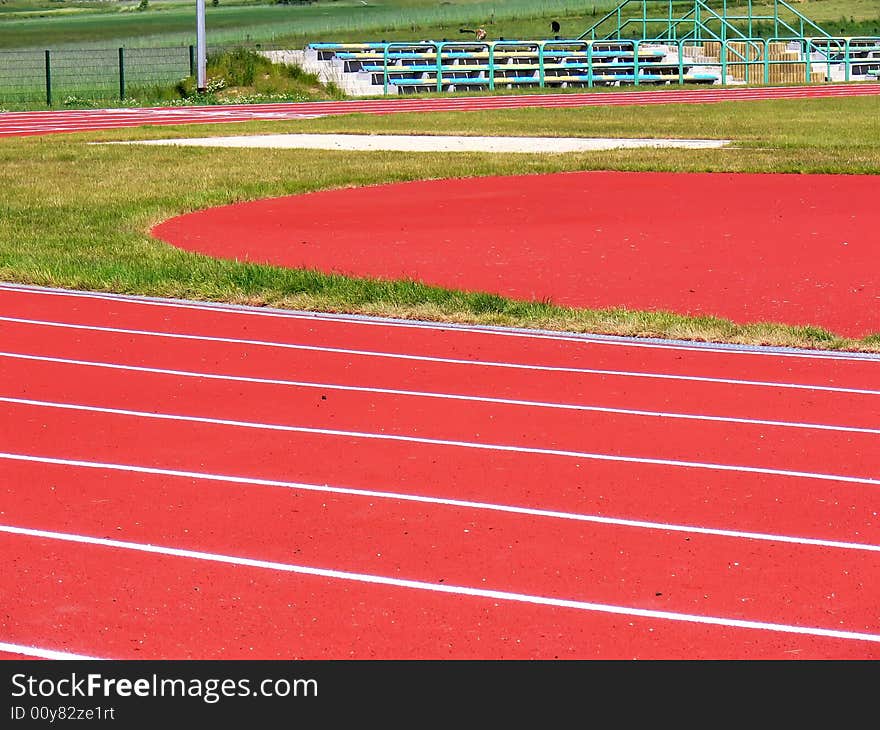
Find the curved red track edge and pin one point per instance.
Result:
(791, 249)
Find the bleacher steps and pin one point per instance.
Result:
(369, 69)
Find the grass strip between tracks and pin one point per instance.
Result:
(77, 215)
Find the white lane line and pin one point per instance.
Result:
(578, 337)
(442, 360)
(439, 396)
(103, 120)
(444, 502)
(40, 653)
(117, 122)
(466, 101)
(456, 590)
(440, 442)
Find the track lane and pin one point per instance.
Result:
(277, 328)
(630, 489)
(482, 391)
(153, 606)
(265, 406)
(655, 390)
(650, 569)
(49, 122)
(278, 436)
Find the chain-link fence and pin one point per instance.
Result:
(64, 76)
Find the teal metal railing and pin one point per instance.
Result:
(452, 65)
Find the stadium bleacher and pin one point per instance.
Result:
(447, 66)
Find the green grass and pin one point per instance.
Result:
(77, 215)
(44, 24)
(84, 36)
(276, 24)
(242, 76)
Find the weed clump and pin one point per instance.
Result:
(243, 75)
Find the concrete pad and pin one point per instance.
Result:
(425, 143)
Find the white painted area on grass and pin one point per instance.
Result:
(428, 143)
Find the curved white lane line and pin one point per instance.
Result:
(442, 442)
(456, 590)
(443, 360)
(578, 337)
(41, 653)
(439, 396)
(38, 121)
(445, 502)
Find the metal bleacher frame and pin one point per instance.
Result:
(780, 46)
(634, 44)
(441, 66)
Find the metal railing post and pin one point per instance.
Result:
(590, 81)
(438, 47)
(491, 69)
(541, 46)
(807, 62)
(681, 62)
(766, 61)
(723, 59)
(635, 62)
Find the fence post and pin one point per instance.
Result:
(121, 74)
(48, 80)
(192, 60)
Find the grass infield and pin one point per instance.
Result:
(77, 215)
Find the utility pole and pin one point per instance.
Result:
(201, 48)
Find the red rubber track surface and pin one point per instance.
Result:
(30, 123)
(792, 249)
(188, 481)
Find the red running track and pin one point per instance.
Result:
(193, 481)
(792, 249)
(17, 124)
